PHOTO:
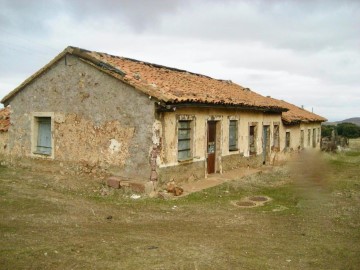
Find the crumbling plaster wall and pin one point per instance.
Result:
(4, 138)
(227, 159)
(295, 135)
(98, 120)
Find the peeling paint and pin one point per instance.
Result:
(114, 146)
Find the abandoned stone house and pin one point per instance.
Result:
(143, 121)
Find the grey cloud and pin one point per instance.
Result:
(300, 25)
(139, 14)
(32, 15)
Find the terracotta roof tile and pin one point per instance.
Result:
(296, 114)
(4, 119)
(179, 86)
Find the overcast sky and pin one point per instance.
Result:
(306, 52)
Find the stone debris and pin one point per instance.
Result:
(113, 182)
(171, 187)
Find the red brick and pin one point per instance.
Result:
(113, 182)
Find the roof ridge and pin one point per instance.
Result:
(151, 64)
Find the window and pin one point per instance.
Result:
(43, 140)
(252, 140)
(318, 135)
(276, 142)
(287, 140)
(309, 137)
(233, 135)
(184, 140)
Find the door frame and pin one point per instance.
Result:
(218, 145)
(211, 162)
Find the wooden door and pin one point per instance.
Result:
(211, 147)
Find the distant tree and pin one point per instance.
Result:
(326, 130)
(348, 130)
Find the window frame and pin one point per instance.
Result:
(35, 126)
(189, 139)
(234, 147)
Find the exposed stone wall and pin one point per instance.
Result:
(4, 137)
(80, 137)
(98, 120)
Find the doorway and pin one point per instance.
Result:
(266, 144)
(211, 147)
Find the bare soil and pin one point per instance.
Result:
(66, 222)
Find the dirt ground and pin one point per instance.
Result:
(312, 221)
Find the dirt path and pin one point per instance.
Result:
(217, 179)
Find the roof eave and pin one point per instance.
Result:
(171, 105)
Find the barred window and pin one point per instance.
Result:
(233, 135)
(184, 140)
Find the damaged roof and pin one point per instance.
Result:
(170, 85)
(296, 114)
(4, 119)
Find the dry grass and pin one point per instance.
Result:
(312, 222)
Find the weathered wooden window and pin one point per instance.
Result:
(276, 136)
(233, 135)
(309, 137)
(43, 145)
(184, 140)
(252, 140)
(287, 140)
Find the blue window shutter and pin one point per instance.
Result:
(44, 136)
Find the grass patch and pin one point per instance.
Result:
(312, 222)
